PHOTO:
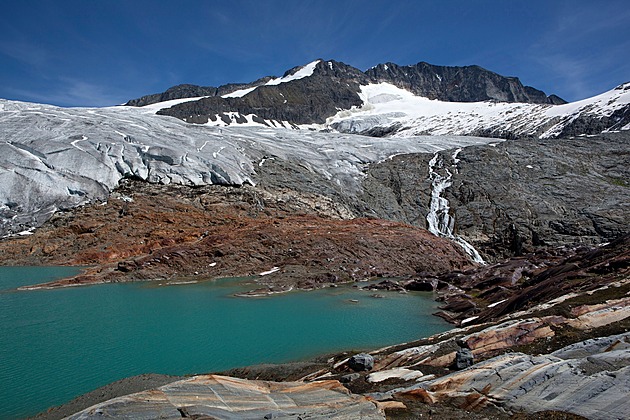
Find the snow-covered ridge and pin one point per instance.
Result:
(303, 72)
(385, 105)
(55, 158)
(153, 108)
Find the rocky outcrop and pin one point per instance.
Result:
(521, 284)
(458, 84)
(193, 91)
(516, 196)
(591, 385)
(175, 92)
(221, 397)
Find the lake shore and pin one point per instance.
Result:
(582, 325)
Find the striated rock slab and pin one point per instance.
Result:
(222, 397)
(400, 373)
(591, 379)
(506, 335)
(593, 316)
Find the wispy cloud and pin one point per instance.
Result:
(71, 92)
(24, 52)
(581, 50)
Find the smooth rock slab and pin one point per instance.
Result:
(223, 397)
(591, 379)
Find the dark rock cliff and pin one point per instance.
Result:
(519, 195)
(459, 84)
(193, 91)
(312, 99)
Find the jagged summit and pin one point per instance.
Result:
(311, 93)
(390, 100)
(446, 83)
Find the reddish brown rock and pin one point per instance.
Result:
(159, 232)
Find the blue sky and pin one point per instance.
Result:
(96, 53)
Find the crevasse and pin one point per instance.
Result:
(439, 220)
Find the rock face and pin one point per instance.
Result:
(591, 384)
(522, 283)
(331, 86)
(175, 92)
(193, 91)
(459, 84)
(516, 196)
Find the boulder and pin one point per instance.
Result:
(360, 362)
(463, 358)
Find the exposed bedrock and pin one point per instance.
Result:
(516, 196)
(147, 232)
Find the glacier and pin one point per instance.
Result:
(385, 105)
(54, 158)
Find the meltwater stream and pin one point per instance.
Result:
(58, 344)
(440, 222)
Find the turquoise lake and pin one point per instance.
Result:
(58, 344)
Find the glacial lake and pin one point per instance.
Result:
(58, 344)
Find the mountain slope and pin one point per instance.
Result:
(390, 110)
(391, 100)
(458, 84)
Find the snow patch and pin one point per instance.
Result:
(273, 270)
(492, 305)
(154, 108)
(303, 72)
(467, 320)
(385, 105)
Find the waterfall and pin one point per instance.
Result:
(440, 221)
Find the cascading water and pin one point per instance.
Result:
(440, 221)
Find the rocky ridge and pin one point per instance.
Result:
(331, 86)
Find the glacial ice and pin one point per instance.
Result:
(57, 158)
(385, 105)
